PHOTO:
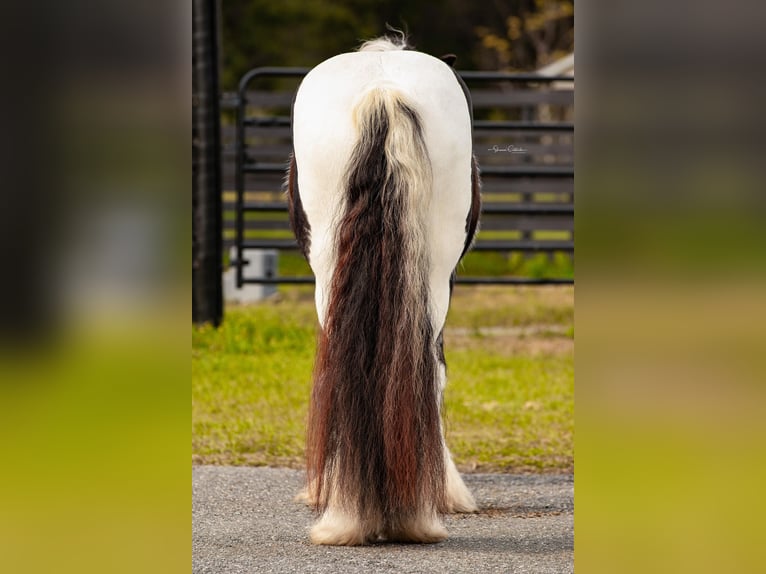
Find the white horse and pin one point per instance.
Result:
(384, 201)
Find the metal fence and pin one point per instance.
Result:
(523, 139)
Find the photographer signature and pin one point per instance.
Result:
(508, 149)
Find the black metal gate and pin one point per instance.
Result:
(526, 159)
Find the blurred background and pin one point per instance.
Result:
(510, 332)
(514, 35)
(526, 234)
(670, 315)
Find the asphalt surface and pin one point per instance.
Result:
(245, 520)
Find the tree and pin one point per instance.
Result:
(536, 34)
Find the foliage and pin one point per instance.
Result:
(517, 34)
(533, 35)
(289, 33)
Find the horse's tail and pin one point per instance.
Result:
(374, 438)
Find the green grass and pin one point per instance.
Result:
(509, 400)
(510, 412)
(540, 265)
(250, 385)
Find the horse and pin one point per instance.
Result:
(384, 200)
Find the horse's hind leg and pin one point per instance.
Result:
(423, 527)
(341, 526)
(337, 527)
(457, 497)
(307, 496)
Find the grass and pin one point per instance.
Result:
(509, 401)
(490, 264)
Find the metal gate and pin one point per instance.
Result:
(526, 160)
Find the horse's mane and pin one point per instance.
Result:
(386, 43)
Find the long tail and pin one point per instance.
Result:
(374, 439)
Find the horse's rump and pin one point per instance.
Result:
(383, 157)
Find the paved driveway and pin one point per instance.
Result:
(245, 521)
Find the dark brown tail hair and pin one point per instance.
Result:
(374, 439)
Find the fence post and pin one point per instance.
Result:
(207, 236)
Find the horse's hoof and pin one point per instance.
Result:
(456, 494)
(459, 500)
(304, 497)
(335, 529)
(421, 529)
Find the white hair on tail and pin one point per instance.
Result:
(409, 167)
